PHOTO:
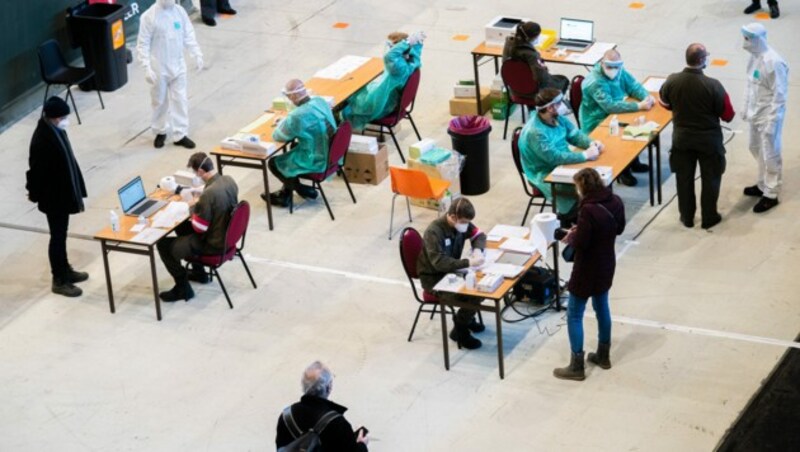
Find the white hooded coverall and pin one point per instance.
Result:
(765, 107)
(164, 32)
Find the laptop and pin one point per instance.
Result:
(575, 34)
(134, 202)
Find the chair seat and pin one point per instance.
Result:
(70, 75)
(428, 297)
(319, 177)
(386, 121)
(439, 186)
(213, 260)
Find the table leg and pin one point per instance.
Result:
(496, 65)
(658, 166)
(155, 281)
(444, 336)
(219, 164)
(553, 190)
(108, 276)
(558, 279)
(498, 321)
(475, 60)
(266, 191)
(650, 172)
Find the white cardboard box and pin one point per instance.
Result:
(361, 144)
(500, 28)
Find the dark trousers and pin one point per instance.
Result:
(173, 250)
(463, 316)
(289, 183)
(712, 166)
(209, 8)
(57, 250)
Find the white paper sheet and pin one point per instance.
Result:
(263, 119)
(505, 230)
(653, 84)
(591, 55)
(516, 245)
(138, 227)
(507, 270)
(341, 67)
(173, 213)
(444, 285)
(149, 235)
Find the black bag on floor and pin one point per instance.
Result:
(537, 285)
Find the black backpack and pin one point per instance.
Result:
(308, 441)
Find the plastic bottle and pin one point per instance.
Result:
(470, 280)
(613, 126)
(142, 220)
(114, 218)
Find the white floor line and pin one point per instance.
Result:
(616, 319)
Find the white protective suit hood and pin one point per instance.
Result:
(755, 38)
(166, 4)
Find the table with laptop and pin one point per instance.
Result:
(576, 45)
(140, 238)
(336, 90)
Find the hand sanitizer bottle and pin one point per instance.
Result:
(613, 126)
(114, 218)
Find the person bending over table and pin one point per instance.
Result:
(544, 145)
(311, 125)
(443, 243)
(203, 233)
(381, 96)
(604, 91)
(521, 46)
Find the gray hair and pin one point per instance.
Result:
(317, 380)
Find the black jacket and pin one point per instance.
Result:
(515, 49)
(54, 180)
(442, 250)
(338, 436)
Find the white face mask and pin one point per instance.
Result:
(562, 109)
(63, 124)
(462, 227)
(611, 73)
(537, 41)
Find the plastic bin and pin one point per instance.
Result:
(470, 137)
(98, 30)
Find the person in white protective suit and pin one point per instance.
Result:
(764, 109)
(164, 32)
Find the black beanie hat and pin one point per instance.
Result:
(55, 107)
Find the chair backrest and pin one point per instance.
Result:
(340, 142)
(237, 225)
(518, 78)
(576, 96)
(409, 94)
(410, 182)
(410, 248)
(51, 60)
(518, 159)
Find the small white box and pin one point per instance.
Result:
(416, 150)
(500, 28)
(361, 144)
(489, 283)
(464, 91)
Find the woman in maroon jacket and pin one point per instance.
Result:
(601, 218)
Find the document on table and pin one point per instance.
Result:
(506, 270)
(516, 245)
(508, 231)
(263, 119)
(592, 55)
(175, 212)
(653, 84)
(149, 235)
(342, 67)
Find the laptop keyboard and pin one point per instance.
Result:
(146, 205)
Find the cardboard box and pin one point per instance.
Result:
(367, 168)
(463, 91)
(448, 170)
(459, 106)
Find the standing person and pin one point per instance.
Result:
(164, 32)
(203, 232)
(312, 125)
(210, 8)
(774, 11)
(522, 46)
(338, 434)
(601, 218)
(698, 102)
(55, 183)
(604, 91)
(444, 241)
(382, 95)
(764, 109)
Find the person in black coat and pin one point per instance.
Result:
(601, 218)
(55, 183)
(338, 435)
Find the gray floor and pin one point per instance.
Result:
(700, 316)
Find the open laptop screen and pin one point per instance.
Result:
(577, 30)
(131, 194)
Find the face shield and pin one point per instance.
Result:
(612, 68)
(296, 94)
(562, 109)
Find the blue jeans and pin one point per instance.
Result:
(575, 320)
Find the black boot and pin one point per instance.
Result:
(476, 326)
(462, 336)
(601, 358)
(574, 371)
(76, 277)
(65, 288)
(159, 141)
(279, 198)
(753, 190)
(181, 291)
(638, 167)
(230, 11)
(185, 142)
(627, 178)
(209, 21)
(755, 6)
(774, 11)
(198, 274)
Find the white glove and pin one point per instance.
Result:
(476, 260)
(592, 153)
(417, 38)
(198, 60)
(600, 146)
(647, 103)
(149, 75)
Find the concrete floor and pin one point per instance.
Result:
(700, 316)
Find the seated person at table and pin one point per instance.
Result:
(382, 95)
(311, 125)
(520, 46)
(544, 145)
(604, 92)
(203, 233)
(441, 254)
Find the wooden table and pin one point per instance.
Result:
(343, 88)
(501, 293)
(496, 53)
(122, 242)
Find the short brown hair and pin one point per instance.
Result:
(200, 160)
(397, 36)
(462, 209)
(588, 181)
(546, 95)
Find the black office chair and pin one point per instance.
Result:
(56, 71)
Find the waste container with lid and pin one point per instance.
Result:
(470, 137)
(98, 30)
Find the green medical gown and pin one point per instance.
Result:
(312, 125)
(602, 96)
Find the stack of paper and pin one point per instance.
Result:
(516, 245)
(173, 213)
(501, 231)
(506, 270)
(342, 67)
(592, 55)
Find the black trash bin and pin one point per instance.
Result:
(470, 136)
(98, 30)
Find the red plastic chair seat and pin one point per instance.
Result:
(428, 297)
(214, 260)
(387, 121)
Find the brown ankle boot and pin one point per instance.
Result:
(601, 358)
(574, 371)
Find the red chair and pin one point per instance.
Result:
(521, 87)
(337, 152)
(410, 249)
(529, 188)
(236, 231)
(576, 96)
(404, 109)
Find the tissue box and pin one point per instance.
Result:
(363, 144)
(448, 170)
(417, 149)
(364, 168)
(468, 106)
